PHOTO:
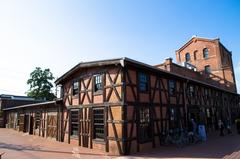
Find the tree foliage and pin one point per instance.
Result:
(40, 84)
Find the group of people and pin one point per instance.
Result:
(227, 126)
(223, 126)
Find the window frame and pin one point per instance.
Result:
(205, 53)
(172, 81)
(206, 92)
(195, 55)
(174, 116)
(76, 123)
(142, 129)
(191, 90)
(145, 82)
(187, 57)
(207, 69)
(97, 124)
(75, 91)
(98, 78)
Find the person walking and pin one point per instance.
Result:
(229, 126)
(221, 127)
(192, 130)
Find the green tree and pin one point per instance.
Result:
(40, 84)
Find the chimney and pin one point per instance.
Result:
(168, 61)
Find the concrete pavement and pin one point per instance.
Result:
(23, 146)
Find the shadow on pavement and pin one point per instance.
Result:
(38, 149)
(216, 147)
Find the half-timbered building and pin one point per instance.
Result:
(122, 106)
(41, 119)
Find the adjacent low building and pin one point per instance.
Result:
(8, 101)
(41, 119)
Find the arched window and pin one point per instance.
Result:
(205, 53)
(195, 55)
(207, 69)
(187, 57)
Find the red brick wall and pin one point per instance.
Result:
(198, 46)
(219, 60)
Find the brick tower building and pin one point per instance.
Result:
(210, 58)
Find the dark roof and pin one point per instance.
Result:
(88, 64)
(123, 62)
(225, 48)
(15, 97)
(34, 105)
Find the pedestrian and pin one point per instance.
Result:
(192, 130)
(229, 126)
(194, 126)
(221, 127)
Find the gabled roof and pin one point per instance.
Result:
(55, 102)
(124, 61)
(230, 52)
(15, 97)
(196, 38)
(88, 65)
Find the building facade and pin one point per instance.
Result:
(8, 101)
(122, 106)
(210, 57)
(41, 119)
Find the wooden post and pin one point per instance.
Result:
(46, 123)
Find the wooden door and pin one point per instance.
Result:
(85, 125)
(31, 125)
(21, 122)
(52, 126)
(26, 123)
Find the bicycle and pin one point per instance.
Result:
(177, 138)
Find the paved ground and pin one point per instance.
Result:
(23, 146)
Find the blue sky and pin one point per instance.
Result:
(59, 34)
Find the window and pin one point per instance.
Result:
(207, 69)
(98, 123)
(191, 91)
(37, 119)
(143, 82)
(75, 88)
(174, 122)
(205, 53)
(74, 123)
(98, 83)
(208, 113)
(173, 114)
(61, 92)
(145, 132)
(206, 92)
(172, 87)
(195, 55)
(187, 57)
